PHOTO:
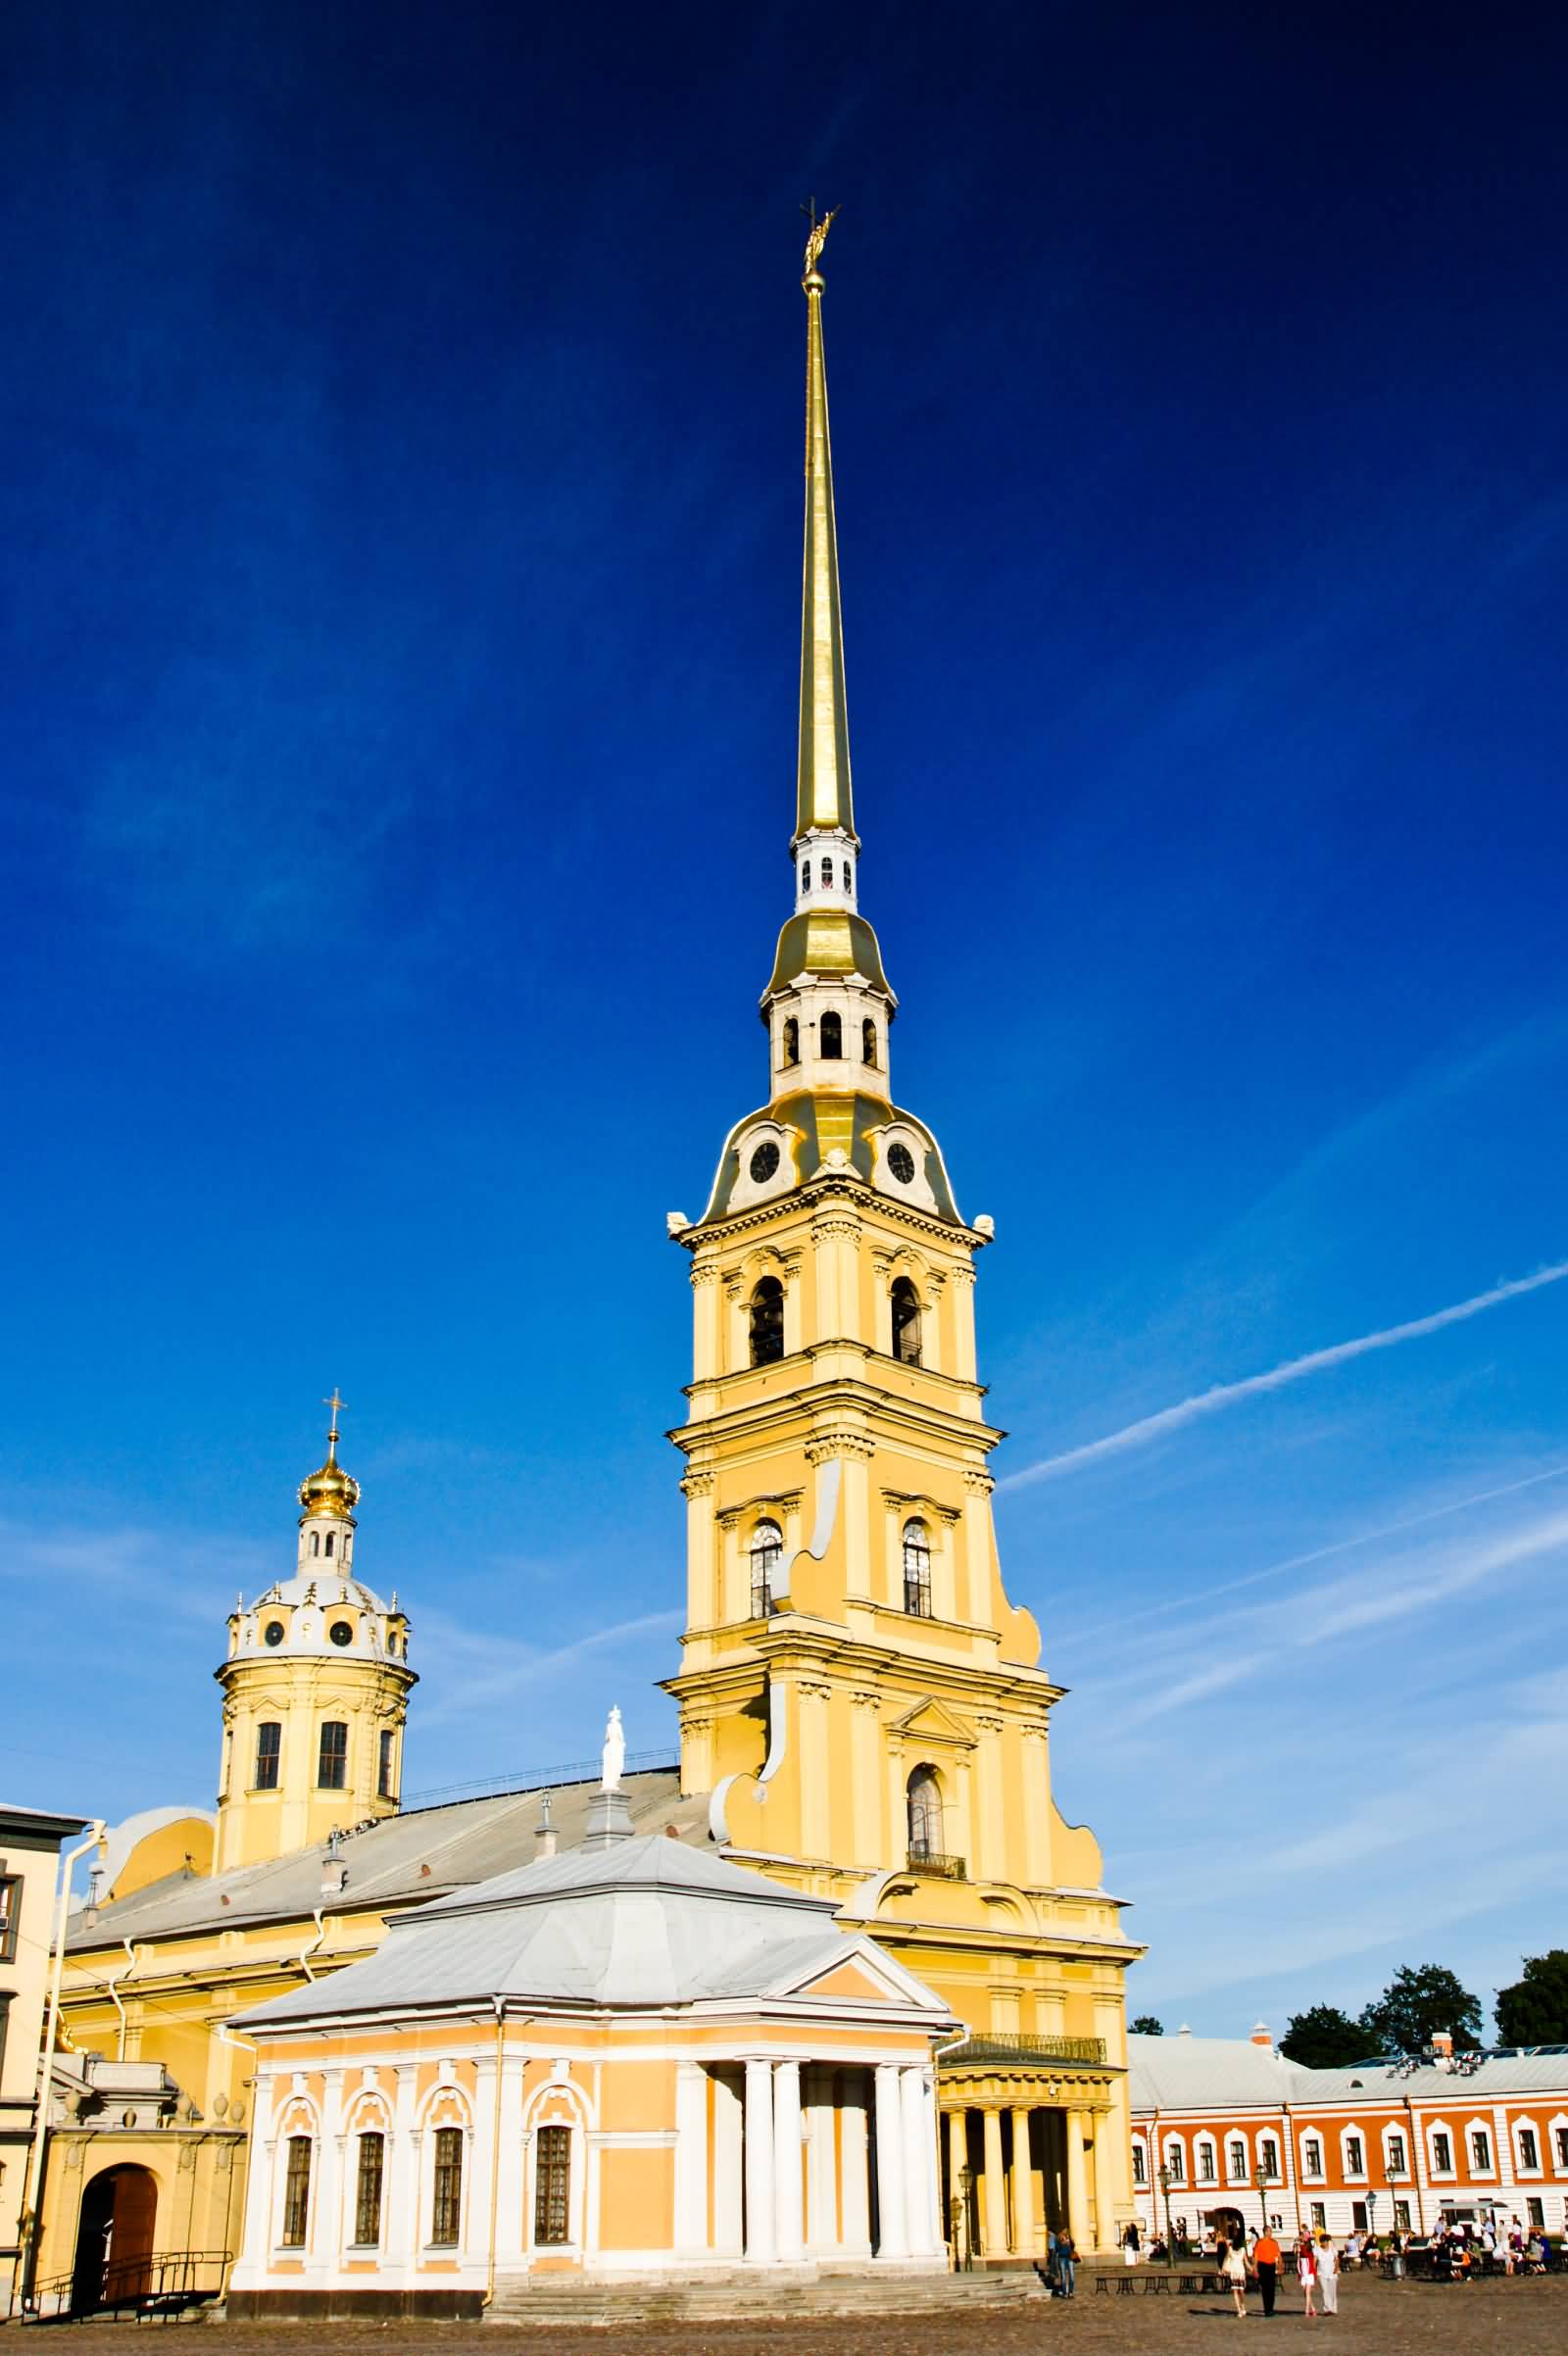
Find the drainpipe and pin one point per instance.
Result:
(306, 1953)
(33, 2177)
(114, 1992)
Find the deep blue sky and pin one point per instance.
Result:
(399, 545)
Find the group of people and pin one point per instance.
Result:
(1061, 2264)
(1317, 2268)
(1468, 2253)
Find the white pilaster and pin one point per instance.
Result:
(759, 2243)
(893, 2242)
(691, 2159)
(260, 2160)
(481, 2159)
(511, 2238)
(326, 2194)
(787, 2187)
(401, 2187)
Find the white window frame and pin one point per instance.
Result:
(1206, 2146)
(1232, 2141)
(1391, 2167)
(1177, 2164)
(298, 2117)
(1480, 2170)
(1140, 2164)
(1520, 2128)
(1433, 2129)
(559, 2102)
(1557, 2126)
(1347, 2136)
(447, 2096)
(1312, 2173)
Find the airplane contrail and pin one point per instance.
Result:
(1316, 1362)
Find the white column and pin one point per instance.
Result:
(855, 2184)
(512, 2236)
(787, 2188)
(402, 2174)
(993, 2201)
(480, 2159)
(691, 2159)
(260, 2158)
(1023, 2188)
(759, 2163)
(728, 2163)
(1077, 2181)
(894, 2239)
(933, 2141)
(916, 2163)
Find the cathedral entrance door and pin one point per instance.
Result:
(115, 2239)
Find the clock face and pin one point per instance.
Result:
(765, 1161)
(901, 1161)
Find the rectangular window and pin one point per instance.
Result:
(1206, 2163)
(1319, 2217)
(367, 2192)
(1560, 2139)
(297, 2193)
(268, 1752)
(1442, 2154)
(446, 2209)
(1176, 2164)
(1313, 2154)
(1354, 2156)
(333, 1771)
(1395, 2148)
(1268, 2156)
(1238, 2163)
(551, 2194)
(1358, 2214)
(1140, 2165)
(383, 1772)
(5, 2007)
(1537, 2211)
(1401, 2216)
(1529, 2150)
(1481, 2151)
(9, 1916)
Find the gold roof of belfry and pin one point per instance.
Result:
(823, 798)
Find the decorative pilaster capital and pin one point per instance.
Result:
(729, 1520)
(863, 1700)
(978, 1484)
(698, 1485)
(704, 1272)
(836, 1227)
(985, 1723)
(823, 1445)
(963, 1272)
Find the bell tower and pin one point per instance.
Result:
(858, 1694)
(315, 1688)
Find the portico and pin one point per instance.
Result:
(1021, 2126)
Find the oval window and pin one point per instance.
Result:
(341, 1633)
(901, 1161)
(273, 1632)
(765, 1161)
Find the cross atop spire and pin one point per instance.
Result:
(822, 799)
(337, 1403)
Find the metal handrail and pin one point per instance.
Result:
(1008, 2047)
(943, 1868)
(160, 2276)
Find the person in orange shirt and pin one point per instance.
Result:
(1266, 2261)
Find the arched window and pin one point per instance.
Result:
(446, 2203)
(768, 1552)
(905, 1321)
(316, 1542)
(869, 1043)
(918, 1569)
(846, 872)
(297, 2193)
(792, 1040)
(827, 875)
(806, 875)
(768, 1321)
(832, 1036)
(924, 1800)
(329, 1542)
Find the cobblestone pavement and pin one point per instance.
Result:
(1375, 2319)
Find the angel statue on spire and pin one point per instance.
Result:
(818, 238)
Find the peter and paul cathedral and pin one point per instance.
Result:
(865, 1735)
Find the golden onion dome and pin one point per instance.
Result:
(329, 1489)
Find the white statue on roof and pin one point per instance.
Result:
(615, 1753)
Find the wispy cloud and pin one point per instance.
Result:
(472, 1669)
(1292, 1370)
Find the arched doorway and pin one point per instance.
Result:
(115, 2239)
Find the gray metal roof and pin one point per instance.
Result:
(1195, 2072)
(462, 1844)
(646, 1922)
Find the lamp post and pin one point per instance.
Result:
(1372, 2217)
(1262, 2177)
(1165, 2182)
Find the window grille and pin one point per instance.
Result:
(767, 1554)
(297, 2193)
(367, 2191)
(332, 1767)
(269, 1754)
(446, 2207)
(552, 2197)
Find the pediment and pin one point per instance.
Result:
(931, 1721)
(861, 1973)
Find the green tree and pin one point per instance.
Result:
(1146, 2025)
(1534, 2011)
(1420, 2001)
(1324, 2039)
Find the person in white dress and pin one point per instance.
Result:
(1328, 2276)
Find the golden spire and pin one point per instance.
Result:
(823, 798)
(329, 1489)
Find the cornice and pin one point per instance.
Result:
(810, 1403)
(807, 1198)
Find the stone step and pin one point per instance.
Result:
(777, 2293)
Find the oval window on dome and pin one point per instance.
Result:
(765, 1161)
(273, 1632)
(341, 1633)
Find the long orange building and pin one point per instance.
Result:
(1227, 2129)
